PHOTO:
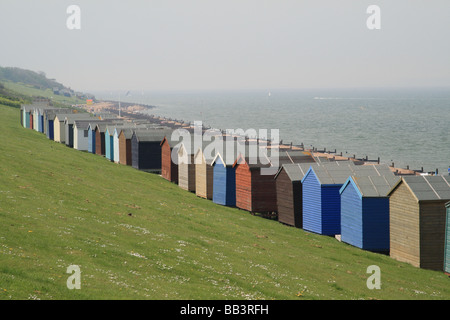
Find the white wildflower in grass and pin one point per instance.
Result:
(135, 254)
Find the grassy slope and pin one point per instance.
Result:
(47, 93)
(59, 206)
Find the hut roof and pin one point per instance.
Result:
(82, 124)
(289, 156)
(338, 172)
(372, 186)
(70, 118)
(155, 135)
(427, 188)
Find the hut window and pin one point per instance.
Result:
(86, 133)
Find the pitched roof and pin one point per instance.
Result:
(152, 135)
(373, 186)
(427, 188)
(337, 173)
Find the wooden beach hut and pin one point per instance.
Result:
(321, 198)
(365, 209)
(255, 188)
(109, 143)
(224, 176)
(146, 149)
(49, 120)
(100, 129)
(288, 181)
(169, 168)
(69, 126)
(134, 125)
(125, 156)
(204, 171)
(447, 241)
(417, 220)
(186, 163)
(81, 135)
(59, 128)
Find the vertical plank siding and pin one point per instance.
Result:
(351, 217)
(404, 226)
(432, 234)
(312, 204)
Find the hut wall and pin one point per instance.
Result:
(243, 187)
(224, 184)
(81, 139)
(375, 224)
(351, 217)
(146, 155)
(331, 210)
(312, 204)
(91, 141)
(99, 143)
(263, 192)
(116, 148)
(200, 176)
(109, 146)
(50, 130)
(124, 150)
(169, 170)
(404, 226)
(432, 234)
(31, 121)
(186, 174)
(285, 199)
(60, 131)
(27, 120)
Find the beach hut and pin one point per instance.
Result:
(204, 171)
(109, 142)
(135, 125)
(224, 176)
(100, 129)
(49, 120)
(146, 149)
(255, 188)
(365, 210)
(321, 198)
(447, 241)
(288, 181)
(59, 128)
(125, 156)
(81, 135)
(69, 126)
(169, 169)
(186, 163)
(417, 220)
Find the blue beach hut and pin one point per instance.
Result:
(224, 181)
(365, 211)
(109, 143)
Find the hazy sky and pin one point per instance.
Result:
(229, 44)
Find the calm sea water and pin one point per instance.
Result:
(404, 126)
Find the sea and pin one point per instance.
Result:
(407, 127)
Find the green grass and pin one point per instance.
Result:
(136, 236)
(29, 90)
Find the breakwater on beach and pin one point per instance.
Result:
(406, 127)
